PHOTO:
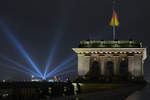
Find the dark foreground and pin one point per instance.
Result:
(143, 94)
(114, 94)
(67, 91)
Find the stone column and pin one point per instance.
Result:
(116, 65)
(131, 65)
(102, 62)
(142, 68)
(83, 64)
(137, 65)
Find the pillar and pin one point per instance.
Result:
(116, 65)
(102, 62)
(131, 65)
(142, 68)
(83, 64)
(138, 65)
(135, 65)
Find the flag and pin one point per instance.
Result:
(114, 20)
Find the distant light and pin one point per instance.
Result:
(36, 80)
(51, 80)
(43, 78)
(4, 80)
(32, 76)
(61, 66)
(55, 78)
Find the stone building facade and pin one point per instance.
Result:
(97, 59)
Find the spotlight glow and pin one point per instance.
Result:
(14, 68)
(20, 48)
(51, 54)
(50, 59)
(19, 65)
(60, 70)
(65, 72)
(60, 66)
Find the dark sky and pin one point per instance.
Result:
(37, 24)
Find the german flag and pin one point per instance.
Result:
(114, 20)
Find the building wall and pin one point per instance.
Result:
(135, 64)
(135, 59)
(83, 64)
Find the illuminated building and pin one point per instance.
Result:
(100, 59)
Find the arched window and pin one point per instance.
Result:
(124, 68)
(94, 72)
(95, 68)
(109, 68)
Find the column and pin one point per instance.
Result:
(138, 65)
(131, 65)
(102, 62)
(116, 65)
(142, 68)
(83, 64)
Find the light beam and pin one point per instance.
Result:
(60, 66)
(51, 54)
(60, 70)
(19, 65)
(66, 72)
(20, 47)
(15, 68)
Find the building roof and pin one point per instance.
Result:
(110, 44)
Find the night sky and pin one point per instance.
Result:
(41, 24)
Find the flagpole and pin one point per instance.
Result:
(114, 27)
(114, 32)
